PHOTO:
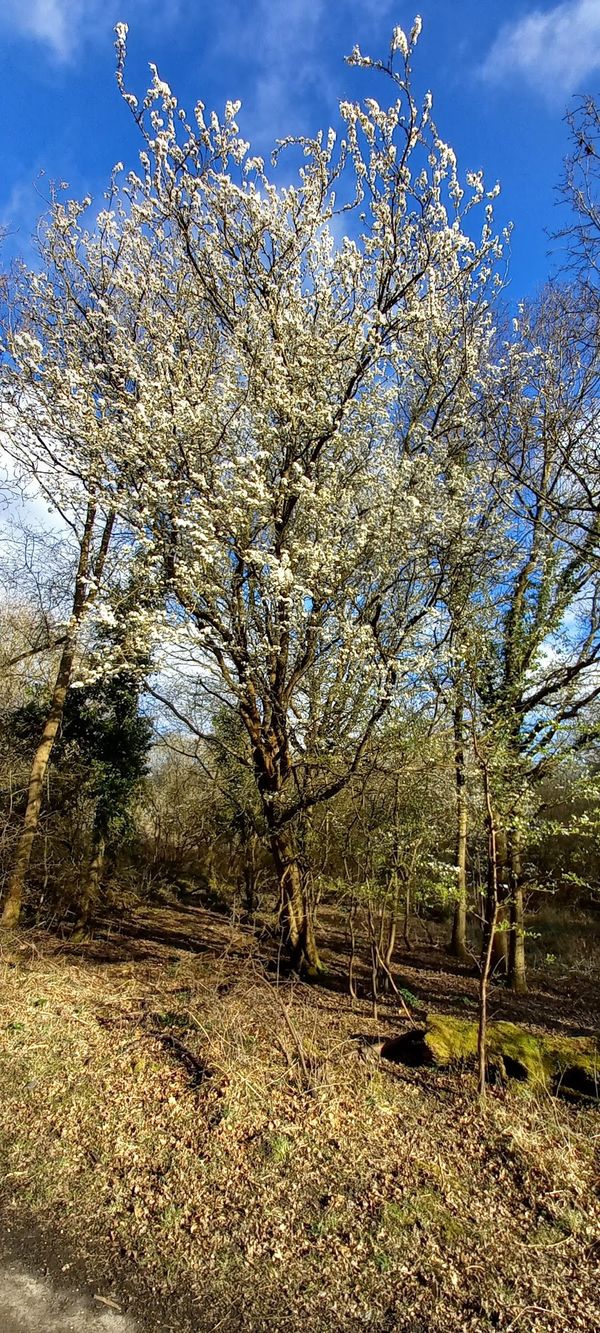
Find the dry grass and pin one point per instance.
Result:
(567, 942)
(215, 1138)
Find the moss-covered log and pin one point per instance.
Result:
(570, 1065)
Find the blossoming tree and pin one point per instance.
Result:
(269, 391)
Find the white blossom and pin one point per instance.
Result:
(269, 404)
(399, 41)
(416, 30)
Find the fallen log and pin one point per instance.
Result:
(567, 1065)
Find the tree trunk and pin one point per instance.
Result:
(500, 943)
(499, 955)
(13, 902)
(91, 886)
(491, 918)
(296, 914)
(249, 855)
(352, 960)
(393, 924)
(458, 943)
(272, 765)
(407, 912)
(517, 974)
(484, 980)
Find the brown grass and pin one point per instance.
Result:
(201, 1132)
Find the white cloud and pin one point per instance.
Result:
(290, 54)
(290, 37)
(62, 25)
(555, 51)
(285, 59)
(58, 24)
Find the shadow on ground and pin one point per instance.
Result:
(425, 975)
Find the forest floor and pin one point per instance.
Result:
(200, 1140)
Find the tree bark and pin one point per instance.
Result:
(517, 972)
(11, 912)
(500, 943)
(490, 923)
(296, 914)
(484, 980)
(90, 888)
(393, 924)
(407, 912)
(499, 955)
(352, 960)
(458, 942)
(249, 844)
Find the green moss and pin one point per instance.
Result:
(564, 1224)
(571, 1054)
(450, 1040)
(567, 1064)
(316, 971)
(425, 1209)
(518, 1052)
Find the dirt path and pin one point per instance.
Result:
(30, 1304)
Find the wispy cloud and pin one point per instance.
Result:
(57, 24)
(19, 214)
(61, 26)
(289, 63)
(289, 36)
(555, 51)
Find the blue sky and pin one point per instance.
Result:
(502, 74)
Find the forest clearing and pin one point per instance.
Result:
(211, 1147)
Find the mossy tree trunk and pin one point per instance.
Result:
(90, 889)
(11, 913)
(500, 942)
(558, 1064)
